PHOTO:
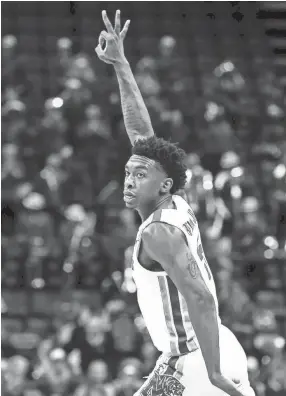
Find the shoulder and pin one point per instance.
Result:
(182, 193)
(157, 232)
(163, 238)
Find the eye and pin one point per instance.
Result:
(140, 175)
(127, 173)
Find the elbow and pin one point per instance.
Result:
(200, 302)
(204, 299)
(198, 296)
(215, 378)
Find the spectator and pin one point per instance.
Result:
(15, 377)
(93, 340)
(55, 374)
(129, 377)
(98, 381)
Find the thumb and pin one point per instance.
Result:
(102, 56)
(99, 51)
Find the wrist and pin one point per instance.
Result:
(121, 65)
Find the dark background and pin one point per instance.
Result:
(213, 78)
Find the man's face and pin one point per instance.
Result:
(143, 181)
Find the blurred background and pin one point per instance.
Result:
(213, 75)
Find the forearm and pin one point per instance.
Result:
(135, 114)
(205, 324)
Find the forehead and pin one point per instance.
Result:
(138, 161)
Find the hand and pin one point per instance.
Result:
(113, 37)
(232, 387)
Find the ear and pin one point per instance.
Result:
(166, 185)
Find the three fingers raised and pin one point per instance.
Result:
(111, 32)
(117, 25)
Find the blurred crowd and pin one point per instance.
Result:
(65, 228)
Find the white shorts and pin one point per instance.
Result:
(187, 375)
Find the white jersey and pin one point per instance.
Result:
(163, 307)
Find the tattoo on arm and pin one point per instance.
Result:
(135, 114)
(192, 265)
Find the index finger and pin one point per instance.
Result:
(107, 22)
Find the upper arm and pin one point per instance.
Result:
(167, 245)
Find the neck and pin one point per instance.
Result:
(163, 202)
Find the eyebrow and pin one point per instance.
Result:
(138, 167)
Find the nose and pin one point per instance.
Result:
(129, 182)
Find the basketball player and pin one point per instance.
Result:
(176, 290)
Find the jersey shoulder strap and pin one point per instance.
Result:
(181, 216)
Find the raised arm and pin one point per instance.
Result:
(136, 117)
(166, 244)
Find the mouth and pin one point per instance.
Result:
(128, 194)
(128, 197)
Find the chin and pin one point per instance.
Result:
(130, 205)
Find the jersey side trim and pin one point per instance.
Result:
(168, 315)
(191, 344)
(177, 315)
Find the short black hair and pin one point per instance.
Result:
(169, 156)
